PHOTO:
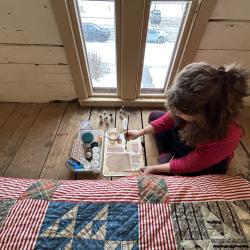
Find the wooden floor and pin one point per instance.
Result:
(36, 139)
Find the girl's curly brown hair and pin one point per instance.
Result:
(215, 96)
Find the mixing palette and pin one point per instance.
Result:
(117, 160)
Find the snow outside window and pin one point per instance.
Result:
(164, 26)
(98, 29)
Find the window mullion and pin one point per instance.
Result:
(118, 44)
(131, 30)
(144, 28)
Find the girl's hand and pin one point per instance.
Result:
(156, 169)
(148, 170)
(132, 134)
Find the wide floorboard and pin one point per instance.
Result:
(36, 139)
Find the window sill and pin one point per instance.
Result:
(114, 101)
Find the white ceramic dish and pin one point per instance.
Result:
(113, 134)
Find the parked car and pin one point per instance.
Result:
(93, 32)
(155, 16)
(156, 36)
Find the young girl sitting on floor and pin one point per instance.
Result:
(199, 133)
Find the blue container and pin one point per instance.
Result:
(75, 165)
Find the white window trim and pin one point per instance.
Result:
(134, 15)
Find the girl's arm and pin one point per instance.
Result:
(163, 123)
(133, 134)
(149, 129)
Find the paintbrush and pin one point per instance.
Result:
(127, 134)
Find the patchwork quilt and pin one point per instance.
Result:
(140, 212)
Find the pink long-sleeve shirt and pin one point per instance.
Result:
(203, 155)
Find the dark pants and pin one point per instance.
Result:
(169, 145)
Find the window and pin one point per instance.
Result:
(129, 50)
(165, 21)
(98, 31)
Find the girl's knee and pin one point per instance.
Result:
(155, 115)
(151, 117)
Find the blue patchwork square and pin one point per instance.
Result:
(89, 226)
(122, 223)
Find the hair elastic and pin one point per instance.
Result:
(221, 74)
(221, 71)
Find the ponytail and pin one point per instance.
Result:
(236, 87)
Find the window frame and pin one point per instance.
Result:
(130, 16)
(75, 19)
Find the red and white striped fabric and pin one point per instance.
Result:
(157, 226)
(21, 227)
(12, 188)
(156, 231)
(124, 190)
(207, 188)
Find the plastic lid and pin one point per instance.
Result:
(95, 149)
(95, 164)
(87, 137)
(94, 144)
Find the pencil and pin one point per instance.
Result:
(127, 134)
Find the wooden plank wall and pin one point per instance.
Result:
(227, 36)
(33, 65)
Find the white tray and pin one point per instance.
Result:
(107, 154)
